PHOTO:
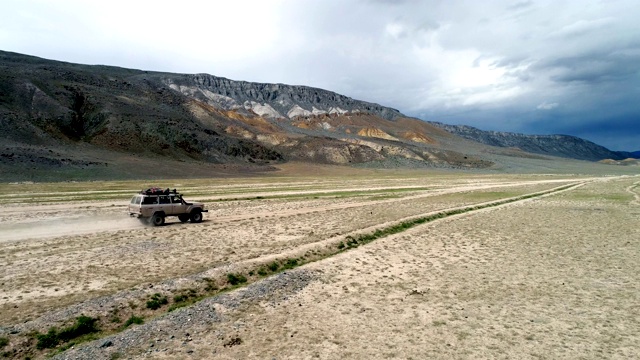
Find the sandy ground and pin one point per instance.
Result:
(549, 278)
(58, 254)
(542, 279)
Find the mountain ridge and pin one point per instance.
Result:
(566, 146)
(58, 115)
(272, 100)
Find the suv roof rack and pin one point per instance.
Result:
(158, 191)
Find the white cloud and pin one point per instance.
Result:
(547, 106)
(436, 57)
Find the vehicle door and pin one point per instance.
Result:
(164, 204)
(179, 207)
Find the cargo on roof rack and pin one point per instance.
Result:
(158, 191)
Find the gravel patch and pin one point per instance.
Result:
(182, 325)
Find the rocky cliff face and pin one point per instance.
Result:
(271, 100)
(554, 145)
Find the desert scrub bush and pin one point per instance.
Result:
(211, 284)
(262, 272)
(180, 298)
(290, 264)
(183, 299)
(48, 340)
(234, 279)
(84, 325)
(133, 320)
(156, 301)
(3, 342)
(274, 266)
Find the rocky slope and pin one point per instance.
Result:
(271, 100)
(56, 116)
(70, 119)
(554, 145)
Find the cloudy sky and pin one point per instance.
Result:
(537, 67)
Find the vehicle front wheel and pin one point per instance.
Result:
(157, 220)
(196, 217)
(183, 217)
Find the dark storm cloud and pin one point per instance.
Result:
(599, 68)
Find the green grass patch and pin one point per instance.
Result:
(3, 342)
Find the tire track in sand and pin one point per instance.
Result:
(632, 190)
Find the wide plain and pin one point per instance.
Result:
(551, 276)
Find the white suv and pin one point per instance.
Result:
(154, 205)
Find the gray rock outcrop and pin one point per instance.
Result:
(271, 100)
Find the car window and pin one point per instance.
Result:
(176, 200)
(137, 200)
(149, 200)
(133, 199)
(164, 200)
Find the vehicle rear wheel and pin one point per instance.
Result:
(183, 217)
(196, 216)
(157, 220)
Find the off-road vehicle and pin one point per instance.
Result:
(153, 205)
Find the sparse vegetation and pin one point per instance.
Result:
(274, 266)
(236, 279)
(183, 299)
(211, 285)
(3, 342)
(180, 298)
(84, 325)
(156, 301)
(133, 320)
(355, 241)
(290, 264)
